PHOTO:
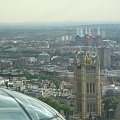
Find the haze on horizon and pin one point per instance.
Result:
(26, 11)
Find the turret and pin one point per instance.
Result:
(97, 57)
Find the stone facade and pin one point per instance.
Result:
(87, 91)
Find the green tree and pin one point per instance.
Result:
(42, 76)
(57, 105)
(28, 75)
(67, 109)
(52, 102)
(110, 102)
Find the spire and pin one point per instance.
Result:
(98, 32)
(89, 32)
(81, 32)
(97, 57)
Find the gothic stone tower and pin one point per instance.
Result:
(87, 91)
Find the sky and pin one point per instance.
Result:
(27, 11)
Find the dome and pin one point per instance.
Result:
(17, 106)
(112, 92)
(112, 85)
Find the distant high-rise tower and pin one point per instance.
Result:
(98, 32)
(87, 91)
(105, 59)
(103, 35)
(86, 31)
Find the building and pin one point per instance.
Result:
(44, 57)
(115, 60)
(87, 38)
(105, 60)
(87, 91)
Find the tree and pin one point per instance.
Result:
(52, 102)
(42, 76)
(110, 104)
(57, 105)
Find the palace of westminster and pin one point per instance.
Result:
(87, 87)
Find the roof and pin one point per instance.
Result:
(17, 106)
(43, 53)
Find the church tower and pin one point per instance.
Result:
(87, 91)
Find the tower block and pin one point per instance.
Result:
(87, 91)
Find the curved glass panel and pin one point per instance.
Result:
(12, 115)
(10, 109)
(37, 109)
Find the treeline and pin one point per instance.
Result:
(67, 109)
(42, 76)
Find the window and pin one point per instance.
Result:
(90, 107)
(93, 87)
(79, 107)
(93, 107)
(87, 87)
(90, 87)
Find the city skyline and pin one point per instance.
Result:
(38, 11)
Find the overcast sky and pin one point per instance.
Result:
(59, 10)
